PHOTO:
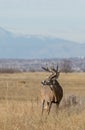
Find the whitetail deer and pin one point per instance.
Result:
(51, 91)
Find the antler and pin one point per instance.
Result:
(55, 72)
(46, 69)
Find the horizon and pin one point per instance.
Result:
(61, 19)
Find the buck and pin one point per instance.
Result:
(51, 91)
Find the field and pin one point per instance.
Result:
(20, 106)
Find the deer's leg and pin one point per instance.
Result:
(43, 102)
(49, 108)
(57, 106)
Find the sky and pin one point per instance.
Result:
(56, 18)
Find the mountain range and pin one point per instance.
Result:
(37, 47)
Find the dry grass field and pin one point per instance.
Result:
(20, 107)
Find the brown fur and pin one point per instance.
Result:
(51, 94)
(47, 96)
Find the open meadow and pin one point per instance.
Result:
(20, 106)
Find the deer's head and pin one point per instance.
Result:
(54, 75)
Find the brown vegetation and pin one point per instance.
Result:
(20, 107)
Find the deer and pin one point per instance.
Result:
(51, 91)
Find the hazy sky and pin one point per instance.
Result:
(60, 18)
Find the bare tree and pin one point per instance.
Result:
(66, 66)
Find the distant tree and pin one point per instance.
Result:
(83, 68)
(66, 66)
(9, 70)
(31, 69)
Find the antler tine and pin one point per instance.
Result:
(46, 69)
(57, 68)
(54, 70)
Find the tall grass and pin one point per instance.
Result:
(20, 106)
(16, 115)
